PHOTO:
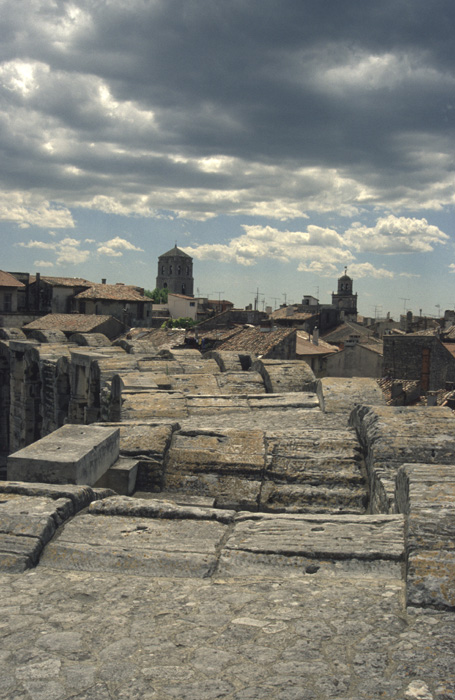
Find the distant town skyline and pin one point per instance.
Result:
(276, 143)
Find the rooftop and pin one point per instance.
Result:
(7, 280)
(116, 292)
(256, 341)
(68, 322)
(63, 281)
(177, 252)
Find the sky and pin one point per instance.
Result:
(276, 142)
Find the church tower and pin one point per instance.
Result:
(344, 299)
(175, 272)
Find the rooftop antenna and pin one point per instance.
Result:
(219, 294)
(438, 306)
(317, 292)
(404, 300)
(376, 309)
(275, 299)
(285, 298)
(256, 298)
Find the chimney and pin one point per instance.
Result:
(315, 336)
(103, 280)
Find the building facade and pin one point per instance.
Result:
(175, 272)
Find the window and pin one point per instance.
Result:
(179, 270)
(7, 301)
(192, 303)
(187, 270)
(162, 270)
(170, 269)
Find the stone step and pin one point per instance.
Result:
(309, 498)
(121, 477)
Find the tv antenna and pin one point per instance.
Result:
(256, 298)
(404, 300)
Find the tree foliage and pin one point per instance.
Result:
(159, 296)
(179, 323)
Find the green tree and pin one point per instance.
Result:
(159, 296)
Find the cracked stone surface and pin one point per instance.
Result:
(107, 636)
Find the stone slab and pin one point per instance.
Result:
(136, 546)
(327, 537)
(73, 454)
(158, 508)
(80, 496)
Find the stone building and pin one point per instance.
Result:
(344, 300)
(422, 358)
(9, 287)
(175, 272)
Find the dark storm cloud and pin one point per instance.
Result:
(130, 98)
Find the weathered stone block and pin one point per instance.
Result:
(74, 454)
(431, 578)
(137, 546)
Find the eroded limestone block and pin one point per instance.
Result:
(342, 395)
(284, 402)
(426, 494)
(231, 382)
(236, 452)
(313, 541)
(213, 405)
(286, 375)
(157, 508)
(153, 404)
(27, 523)
(431, 578)
(137, 546)
(308, 498)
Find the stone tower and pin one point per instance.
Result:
(344, 299)
(175, 272)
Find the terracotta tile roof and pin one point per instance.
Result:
(218, 334)
(256, 341)
(83, 323)
(116, 292)
(7, 280)
(63, 281)
(305, 346)
(181, 296)
(292, 313)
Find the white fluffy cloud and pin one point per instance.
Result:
(393, 234)
(27, 210)
(360, 270)
(315, 246)
(115, 246)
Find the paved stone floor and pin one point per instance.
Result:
(90, 635)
